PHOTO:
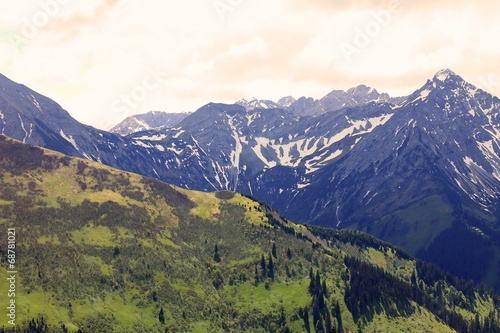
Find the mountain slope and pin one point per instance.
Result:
(32, 118)
(102, 250)
(431, 168)
(35, 119)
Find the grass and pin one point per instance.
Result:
(124, 233)
(252, 214)
(290, 296)
(167, 242)
(30, 304)
(376, 257)
(183, 287)
(105, 269)
(53, 239)
(203, 327)
(253, 254)
(94, 235)
(420, 321)
(207, 204)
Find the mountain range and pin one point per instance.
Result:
(304, 106)
(421, 171)
(102, 250)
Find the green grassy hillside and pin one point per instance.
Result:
(101, 250)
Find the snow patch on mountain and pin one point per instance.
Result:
(69, 139)
(156, 137)
(35, 102)
(320, 161)
(236, 153)
(423, 95)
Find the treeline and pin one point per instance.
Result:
(371, 291)
(17, 158)
(357, 238)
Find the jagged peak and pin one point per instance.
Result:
(363, 89)
(444, 74)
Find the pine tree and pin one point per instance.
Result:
(328, 323)
(263, 266)
(321, 301)
(324, 289)
(306, 321)
(287, 272)
(289, 253)
(477, 323)
(338, 316)
(312, 283)
(274, 251)
(216, 254)
(318, 283)
(161, 316)
(270, 268)
(282, 316)
(413, 278)
(316, 312)
(319, 327)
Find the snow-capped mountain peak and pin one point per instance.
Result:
(255, 103)
(153, 120)
(286, 102)
(444, 74)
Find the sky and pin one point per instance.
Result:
(104, 60)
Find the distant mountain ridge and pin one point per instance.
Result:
(422, 172)
(333, 101)
(153, 120)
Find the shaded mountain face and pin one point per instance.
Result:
(99, 248)
(416, 172)
(445, 135)
(153, 120)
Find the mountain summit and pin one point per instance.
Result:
(444, 74)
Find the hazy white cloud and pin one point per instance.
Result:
(105, 59)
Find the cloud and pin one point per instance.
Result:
(90, 53)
